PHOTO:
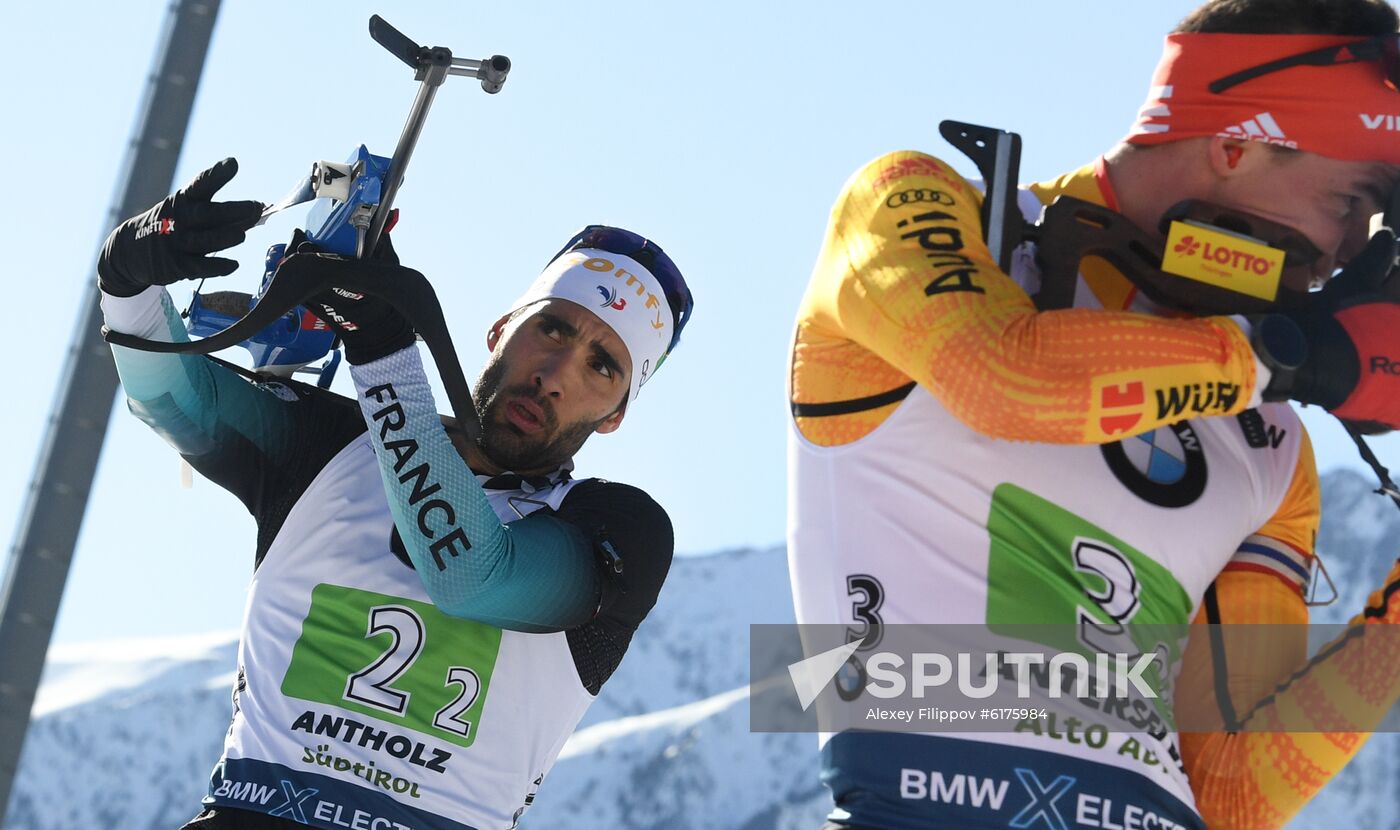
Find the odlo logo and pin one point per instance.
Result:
(1232, 257)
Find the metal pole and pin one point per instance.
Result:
(49, 524)
(435, 72)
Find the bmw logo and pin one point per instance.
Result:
(1165, 467)
(1158, 455)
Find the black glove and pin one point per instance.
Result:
(170, 241)
(369, 327)
(1342, 350)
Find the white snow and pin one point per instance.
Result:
(673, 719)
(75, 674)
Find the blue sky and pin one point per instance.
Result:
(723, 130)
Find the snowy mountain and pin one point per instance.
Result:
(125, 733)
(1358, 542)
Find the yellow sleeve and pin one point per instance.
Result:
(1244, 776)
(906, 290)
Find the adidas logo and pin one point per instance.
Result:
(1156, 107)
(1261, 127)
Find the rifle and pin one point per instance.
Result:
(354, 202)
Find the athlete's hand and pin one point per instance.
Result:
(1345, 344)
(172, 240)
(1371, 272)
(369, 327)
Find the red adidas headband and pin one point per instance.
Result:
(1338, 105)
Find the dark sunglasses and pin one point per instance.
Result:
(1385, 48)
(649, 255)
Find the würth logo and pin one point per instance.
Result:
(1261, 127)
(1200, 398)
(1121, 396)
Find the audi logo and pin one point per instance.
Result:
(909, 197)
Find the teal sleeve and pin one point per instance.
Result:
(535, 574)
(262, 441)
(201, 408)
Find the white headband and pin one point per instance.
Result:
(622, 293)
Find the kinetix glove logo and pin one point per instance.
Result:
(145, 250)
(156, 226)
(338, 320)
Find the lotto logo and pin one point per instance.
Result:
(1204, 254)
(1225, 255)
